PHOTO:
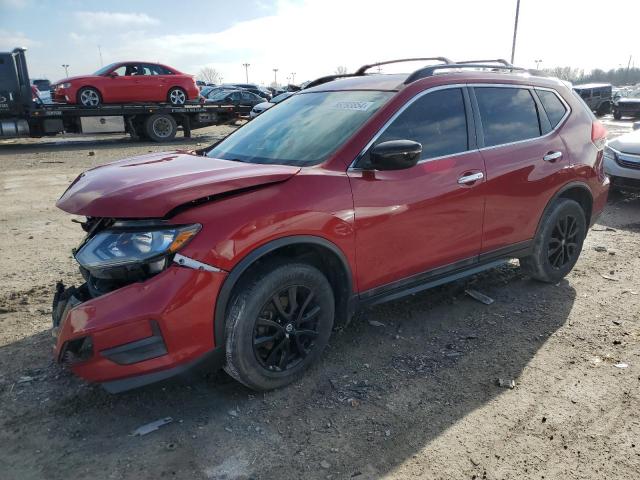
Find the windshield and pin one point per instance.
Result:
(281, 97)
(106, 69)
(302, 131)
(218, 95)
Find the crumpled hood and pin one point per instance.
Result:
(150, 186)
(627, 143)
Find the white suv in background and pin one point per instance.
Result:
(622, 160)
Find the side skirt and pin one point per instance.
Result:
(442, 275)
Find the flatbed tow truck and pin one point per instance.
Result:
(22, 115)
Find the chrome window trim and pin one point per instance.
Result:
(461, 86)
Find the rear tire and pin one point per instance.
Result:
(604, 109)
(160, 127)
(278, 324)
(558, 244)
(177, 96)
(617, 115)
(89, 97)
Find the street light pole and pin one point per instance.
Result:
(66, 69)
(246, 70)
(275, 76)
(538, 62)
(293, 77)
(515, 32)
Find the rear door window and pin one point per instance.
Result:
(552, 105)
(436, 120)
(508, 115)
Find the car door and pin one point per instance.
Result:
(524, 156)
(427, 219)
(121, 87)
(247, 101)
(148, 85)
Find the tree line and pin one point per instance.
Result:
(615, 76)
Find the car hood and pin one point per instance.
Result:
(71, 79)
(150, 186)
(627, 143)
(262, 106)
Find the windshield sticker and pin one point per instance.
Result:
(362, 106)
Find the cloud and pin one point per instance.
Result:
(9, 40)
(112, 20)
(13, 3)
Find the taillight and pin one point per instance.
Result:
(598, 134)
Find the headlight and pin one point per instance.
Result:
(64, 85)
(126, 247)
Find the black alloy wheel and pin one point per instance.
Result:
(563, 244)
(286, 328)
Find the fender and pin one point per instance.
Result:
(220, 313)
(558, 194)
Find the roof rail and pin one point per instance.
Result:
(364, 68)
(430, 71)
(495, 60)
(328, 78)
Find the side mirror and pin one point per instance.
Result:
(112, 74)
(395, 155)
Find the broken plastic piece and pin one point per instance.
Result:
(479, 296)
(151, 427)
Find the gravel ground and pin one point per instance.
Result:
(408, 389)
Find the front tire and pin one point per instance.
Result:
(558, 244)
(277, 325)
(89, 97)
(177, 96)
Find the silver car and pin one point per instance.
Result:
(622, 160)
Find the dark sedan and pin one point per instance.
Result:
(242, 99)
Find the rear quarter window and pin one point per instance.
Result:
(553, 106)
(508, 115)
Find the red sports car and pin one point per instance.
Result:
(127, 82)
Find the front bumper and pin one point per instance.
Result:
(141, 333)
(629, 166)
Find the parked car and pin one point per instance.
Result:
(622, 160)
(261, 92)
(126, 82)
(261, 107)
(598, 96)
(352, 192)
(626, 107)
(243, 100)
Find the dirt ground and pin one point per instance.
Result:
(414, 398)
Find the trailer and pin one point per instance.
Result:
(23, 114)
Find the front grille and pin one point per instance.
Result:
(628, 160)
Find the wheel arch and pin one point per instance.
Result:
(317, 251)
(97, 89)
(578, 191)
(186, 93)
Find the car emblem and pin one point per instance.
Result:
(2, 99)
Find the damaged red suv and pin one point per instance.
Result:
(355, 191)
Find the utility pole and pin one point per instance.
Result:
(515, 33)
(275, 76)
(66, 69)
(246, 70)
(538, 62)
(626, 76)
(100, 53)
(293, 77)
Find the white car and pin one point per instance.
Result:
(261, 107)
(622, 160)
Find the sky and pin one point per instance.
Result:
(311, 38)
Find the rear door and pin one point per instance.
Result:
(524, 156)
(411, 222)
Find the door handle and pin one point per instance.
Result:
(552, 156)
(467, 179)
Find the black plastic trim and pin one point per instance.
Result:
(212, 360)
(224, 296)
(393, 292)
(140, 350)
(559, 193)
(517, 250)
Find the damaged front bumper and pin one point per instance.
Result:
(141, 333)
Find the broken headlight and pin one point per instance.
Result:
(128, 248)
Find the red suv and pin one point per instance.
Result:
(126, 82)
(354, 191)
